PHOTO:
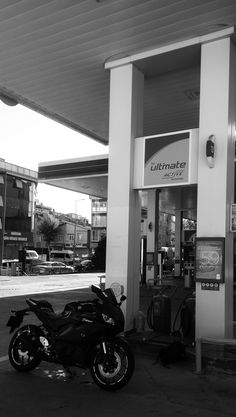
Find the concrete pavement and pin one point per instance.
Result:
(154, 390)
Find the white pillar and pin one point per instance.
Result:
(214, 309)
(124, 208)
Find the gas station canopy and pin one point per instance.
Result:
(85, 175)
(54, 53)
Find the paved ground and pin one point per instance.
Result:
(154, 390)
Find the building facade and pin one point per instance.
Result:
(98, 220)
(17, 191)
(73, 232)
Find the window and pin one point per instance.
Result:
(97, 235)
(99, 220)
(59, 238)
(99, 206)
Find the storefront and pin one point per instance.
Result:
(214, 163)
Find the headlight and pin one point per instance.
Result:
(108, 320)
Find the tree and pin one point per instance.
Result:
(48, 228)
(189, 224)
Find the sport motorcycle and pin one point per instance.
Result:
(86, 334)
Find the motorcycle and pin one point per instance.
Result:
(85, 334)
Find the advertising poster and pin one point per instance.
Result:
(167, 159)
(209, 259)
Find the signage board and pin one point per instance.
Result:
(209, 261)
(17, 236)
(166, 160)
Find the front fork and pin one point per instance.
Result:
(104, 348)
(109, 359)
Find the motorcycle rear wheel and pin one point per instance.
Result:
(113, 371)
(23, 351)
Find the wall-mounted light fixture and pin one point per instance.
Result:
(150, 227)
(210, 150)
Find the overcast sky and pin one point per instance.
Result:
(28, 138)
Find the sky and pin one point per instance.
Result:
(28, 138)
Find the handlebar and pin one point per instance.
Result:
(96, 289)
(99, 292)
(107, 295)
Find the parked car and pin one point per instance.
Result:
(84, 265)
(31, 255)
(9, 265)
(65, 256)
(47, 267)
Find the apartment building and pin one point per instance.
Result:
(98, 220)
(17, 192)
(74, 231)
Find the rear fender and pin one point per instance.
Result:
(15, 321)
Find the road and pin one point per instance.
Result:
(22, 285)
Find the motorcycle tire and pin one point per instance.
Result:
(23, 350)
(113, 371)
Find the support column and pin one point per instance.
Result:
(214, 309)
(124, 207)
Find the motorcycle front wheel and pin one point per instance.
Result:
(112, 370)
(23, 350)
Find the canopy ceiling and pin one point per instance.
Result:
(53, 52)
(86, 175)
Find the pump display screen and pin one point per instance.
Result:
(209, 259)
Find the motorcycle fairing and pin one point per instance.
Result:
(84, 332)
